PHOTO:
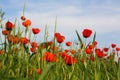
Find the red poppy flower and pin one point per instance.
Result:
(66, 50)
(113, 45)
(57, 34)
(69, 60)
(100, 54)
(9, 25)
(87, 33)
(63, 54)
(24, 40)
(60, 39)
(50, 57)
(105, 49)
(33, 49)
(90, 46)
(35, 30)
(88, 51)
(34, 44)
(68, 43)
(118, 49)
(26, 23)
(97, 50)
(5, 32)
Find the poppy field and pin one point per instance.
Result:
(23, 58)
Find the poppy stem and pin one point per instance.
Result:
(5, 44)
(55, 32)
(24, 9)
(85, 41)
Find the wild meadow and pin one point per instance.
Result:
(23, 58)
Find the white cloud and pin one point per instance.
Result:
(101, 24)
(71, 17)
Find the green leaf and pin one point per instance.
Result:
(55, 30)
(87, 45)
(94, 37)
(79, 38)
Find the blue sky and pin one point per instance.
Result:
(102, 16)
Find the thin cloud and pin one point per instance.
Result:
(100, 23)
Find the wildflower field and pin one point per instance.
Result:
(23, 58)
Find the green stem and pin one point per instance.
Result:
(118, 73)
(24, 9)
(5, 44)
(55, 32)
(45, 34)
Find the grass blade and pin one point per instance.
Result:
(79, 38)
